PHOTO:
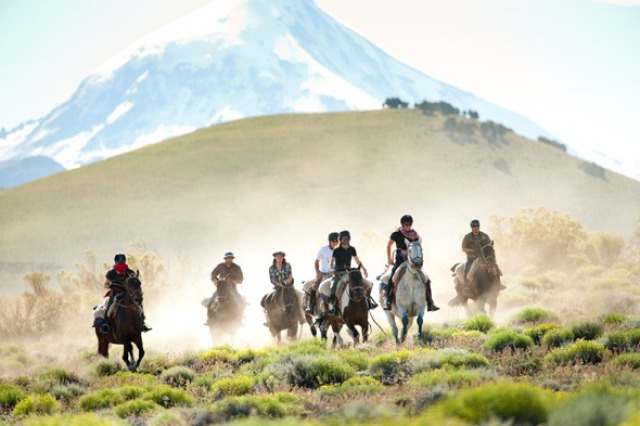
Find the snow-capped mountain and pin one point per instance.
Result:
(228, 60)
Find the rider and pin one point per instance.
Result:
(341, 264)
(115, 279)
(400, 237)
(231, 273)
(280, 275)
(323, 269)
(472, 244)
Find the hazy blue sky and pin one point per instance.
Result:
(572, 66)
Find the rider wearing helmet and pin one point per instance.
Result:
(115, 281)
(400, 237)
(472, 244)
(323, 268)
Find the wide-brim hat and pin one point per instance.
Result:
(229, 254)
(275, 253)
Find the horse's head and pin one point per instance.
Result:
(222, 287)
(133, 287)
(414, 255)
(355, 285)
(489, 256)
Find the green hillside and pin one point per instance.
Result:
(261, 184)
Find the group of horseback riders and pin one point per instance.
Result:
(333, 261)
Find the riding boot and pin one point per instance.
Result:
(333, 299)
(431, 307)
(145, 328)
(370, 302)
(311, 302)
(105, 328)
(388, 299)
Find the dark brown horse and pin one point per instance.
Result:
(356, 308)
(485, 285)
(224, 311)
(282, 308)
(126, 326)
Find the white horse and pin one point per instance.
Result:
(410, 297)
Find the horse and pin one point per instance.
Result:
(282, 309)
(484, 286)
(224, 311)
(355, 307)
(410, 294)
(126, 326)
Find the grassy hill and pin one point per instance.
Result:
(284, 182)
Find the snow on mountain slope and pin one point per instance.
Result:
(228, 60)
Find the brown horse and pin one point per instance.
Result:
(224, 311)
(282, 309)
(485, 285)
(356, 308)
(126, 327)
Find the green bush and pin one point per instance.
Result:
(276, 405)
(537, 333)
(628, 360)
(167, 396)
(355, 358)
(429, 360)
(390, 366)
(582, 351)
(614, 319)
(104, 398)
(107, 367)
(354, 386)
(616, 341)
(204, 381)
(534, 315)
(66, 392)
(447, 376)
(234, 385)
(135, 408)
(10, 395)
(222, 354)
(131, 392)
(557, 337)
(508, 402)
(58, 375)
(501, 339)
(480, 322)
(36, 404)
(84, 419)
(587, 330)
(633, 339)
(309, 371)
(596, 406)
(177, 376)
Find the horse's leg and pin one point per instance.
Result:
(419, 321)
(405, 327)
(336, 335)
(138, 343)
(394, 328)
(127, 350)
(353, 332)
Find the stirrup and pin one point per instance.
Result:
(105, 329)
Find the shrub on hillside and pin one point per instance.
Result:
(631, 360)
(534, 316)
(614, 319)
(107, 367)
(448, 376)
(135, 407)
(273, 406)
(598, 405)
(582, 351)
(504, 338)
(131, 392)
(452, 357)
(518, 403)
(557, 337)
(10, 395)
(66, 392)
(36, 404)
(309, 371)
(616, 341)
(587, 330)
(104, 398)
(177, 376)
(167, 396)
(480, 322)
(355, 358)
(538, 332)
(233, 385)
(390, 367)
(83, 419)
(355, 386)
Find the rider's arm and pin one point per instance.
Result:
(273, 276)
(389, 258)
(238, 277)
(287, 274)
(361, 266)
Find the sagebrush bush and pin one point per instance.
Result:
(104, 398)
(167, 396)
(355, 358)
(599, 405)
(587, 330)
(309, 371)
(390, 366)
(480, 322)
(557, 337)
(10, 395)
(535, 316)
(131, 392)
(36, 404)
(177, 376)
(537, 333)
(135, 408)
(616, 341)
(82, 419)
(234, 385)
(356, 386)
(66, 392)
(614, 319)
(273, 406)
(222, 354)
(447, 376)
(107, 367)
(501, 339)
(519, 403)
(628, 360)
(582, 351)
(428, 360)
